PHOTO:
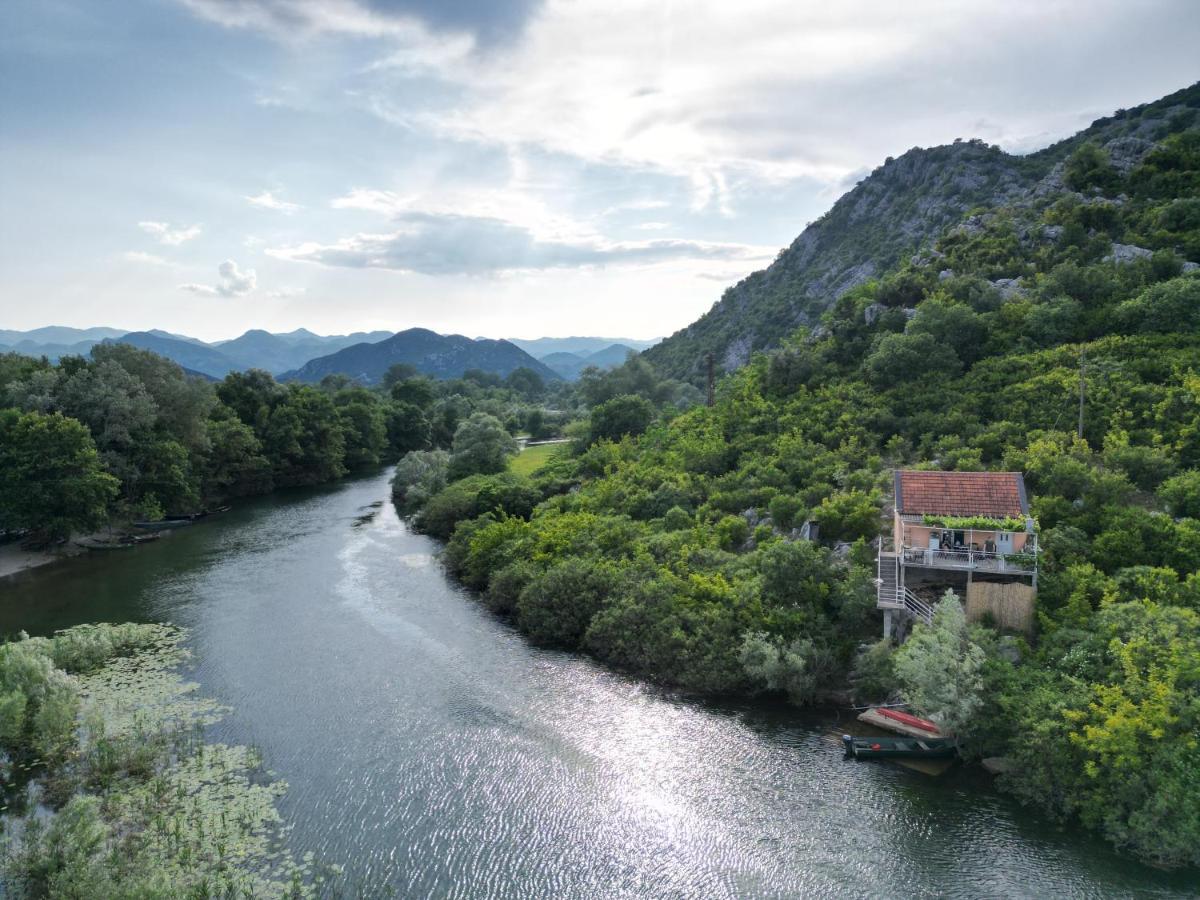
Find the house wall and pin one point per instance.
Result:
(918, 536)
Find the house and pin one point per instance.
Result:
(968, 531)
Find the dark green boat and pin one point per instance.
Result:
(163, 524)
(898, 747)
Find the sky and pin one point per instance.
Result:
(497, 169)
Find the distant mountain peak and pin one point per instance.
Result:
(440, 356)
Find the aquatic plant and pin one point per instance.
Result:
(132, 800)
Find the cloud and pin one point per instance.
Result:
(449, 244)
(652, 226)
(285, 293)
(168, 234)
(234, 282)
(267, 200)
(761, 92)
(139, 256)
(487, 21)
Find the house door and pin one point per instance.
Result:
(1004, 543)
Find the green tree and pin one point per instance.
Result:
(304, 438)
(939, 668)
(481, 446)
(901, 358)
(953, 325)
(417, 391)
(1181, 494)
(364, 427)
(1088, 167)
(621, 416)
(51, 480)
(557, 606)
(234, 466)
(526, 382)
(407, 428)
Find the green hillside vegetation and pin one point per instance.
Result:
(664, 546)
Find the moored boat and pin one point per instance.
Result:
(898, 748)
(163, 524)
(103, 545)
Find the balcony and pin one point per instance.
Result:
(971, 559)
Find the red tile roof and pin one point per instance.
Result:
(994, 494)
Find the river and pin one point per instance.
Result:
(431, 750)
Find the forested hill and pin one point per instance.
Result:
(902, 206)
(441, 356)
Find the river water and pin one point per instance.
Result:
(433, 752)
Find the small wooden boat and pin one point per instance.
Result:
(133, 539)
(196, 516)
(894, 748)
(163, 524)
(104, 545)
(899, 722)
(908, 719)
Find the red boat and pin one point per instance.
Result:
(908, 719)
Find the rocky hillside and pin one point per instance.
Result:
(901, 207)
(442, 356)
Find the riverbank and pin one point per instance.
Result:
(14, 560)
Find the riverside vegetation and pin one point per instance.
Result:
(126, 434)
(112, 791)
(663, 542)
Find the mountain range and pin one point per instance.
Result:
(893, 213)
(542, 347)
(306, 356)
(571, 365)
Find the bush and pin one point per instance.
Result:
(1181, 494)
(901, 358)
(557, 606)
(785, 510)
(732, 532)
(619, 417)
(481, 446)
(796, 668)
(505, 586)
(419, 475)
(848, 516)
(677, 519)
(874, 673)
(507, 492)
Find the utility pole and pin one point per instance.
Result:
(712, 382)
(1081, 392)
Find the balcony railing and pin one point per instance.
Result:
(969, 558)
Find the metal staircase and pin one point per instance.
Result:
(918, 607)
(887, 583)
(891, 594)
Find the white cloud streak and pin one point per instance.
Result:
(268, 200)
(452, 244)
(148, 259)
(168, 234)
